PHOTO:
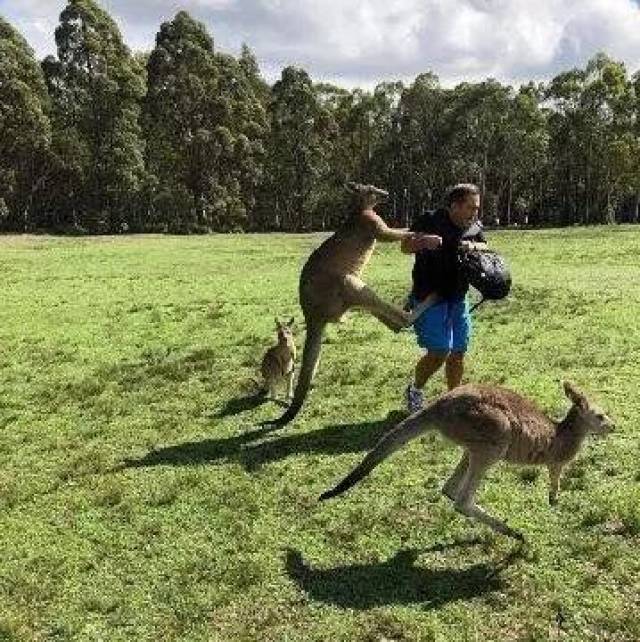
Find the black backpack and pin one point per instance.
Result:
(487, 272)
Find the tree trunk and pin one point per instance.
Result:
(587, 187)
(567, 209)
(483, 184)
(541, 201)
(509, 197)
(611, 215)
(577, 216)
(636, 211)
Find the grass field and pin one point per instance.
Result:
(139, 502)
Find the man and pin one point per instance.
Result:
(443, 329)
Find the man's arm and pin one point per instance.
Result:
(421, 237)
(417, 241)
(477, 242)
(473, 245)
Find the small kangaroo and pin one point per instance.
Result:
(279, 361)
(491, 424)
(331, 284)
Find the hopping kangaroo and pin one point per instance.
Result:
(330, 284)
(491, 424)
(279, 361)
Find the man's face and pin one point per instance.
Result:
(464, 213)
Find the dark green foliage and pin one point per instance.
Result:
(303, 133)
(187, 139)
(24, 130)
(96, 86)
(205, 128)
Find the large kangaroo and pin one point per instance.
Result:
(330, 284)
(491, 424)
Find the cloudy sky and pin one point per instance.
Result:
(361, 42)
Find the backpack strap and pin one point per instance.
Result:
(475, 306)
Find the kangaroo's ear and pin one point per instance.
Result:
(574, 395)
(291, 322)
(278, 324)
(351, 186)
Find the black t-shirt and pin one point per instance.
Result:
(437, 270)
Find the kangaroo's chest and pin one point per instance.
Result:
(352, 253)
(361, 259)
(529, 449)
(347, 252)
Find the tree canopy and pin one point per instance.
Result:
(186, 138)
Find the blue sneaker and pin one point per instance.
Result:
(414, 398)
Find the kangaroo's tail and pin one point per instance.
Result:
(412, 427)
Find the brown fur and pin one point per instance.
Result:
(279, 361)
(331, 284)
(491, 424)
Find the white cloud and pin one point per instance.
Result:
(366, 41)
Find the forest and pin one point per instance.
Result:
(190, 139)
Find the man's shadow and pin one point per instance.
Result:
(259, 447)
(398, 580)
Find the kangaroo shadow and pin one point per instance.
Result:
(254, 449)
(161, 367)
(242, 404)
(398, 580)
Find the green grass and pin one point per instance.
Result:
(138, 501)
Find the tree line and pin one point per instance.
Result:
(188, 139)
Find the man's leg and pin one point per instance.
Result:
(433, 333)
(461, 331)
(454, 369)
(428, 366)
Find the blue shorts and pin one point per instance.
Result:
(444, 327)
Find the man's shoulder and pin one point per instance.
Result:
(427, 219)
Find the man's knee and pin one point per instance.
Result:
(455, 357)
(437, 357)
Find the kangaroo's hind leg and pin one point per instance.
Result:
(452, 485)
(273, 392)
(465, 501)
(289, 377)
(358, 294)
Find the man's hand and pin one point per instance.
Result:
(415, 242)
(428, 241)
(466, 246)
